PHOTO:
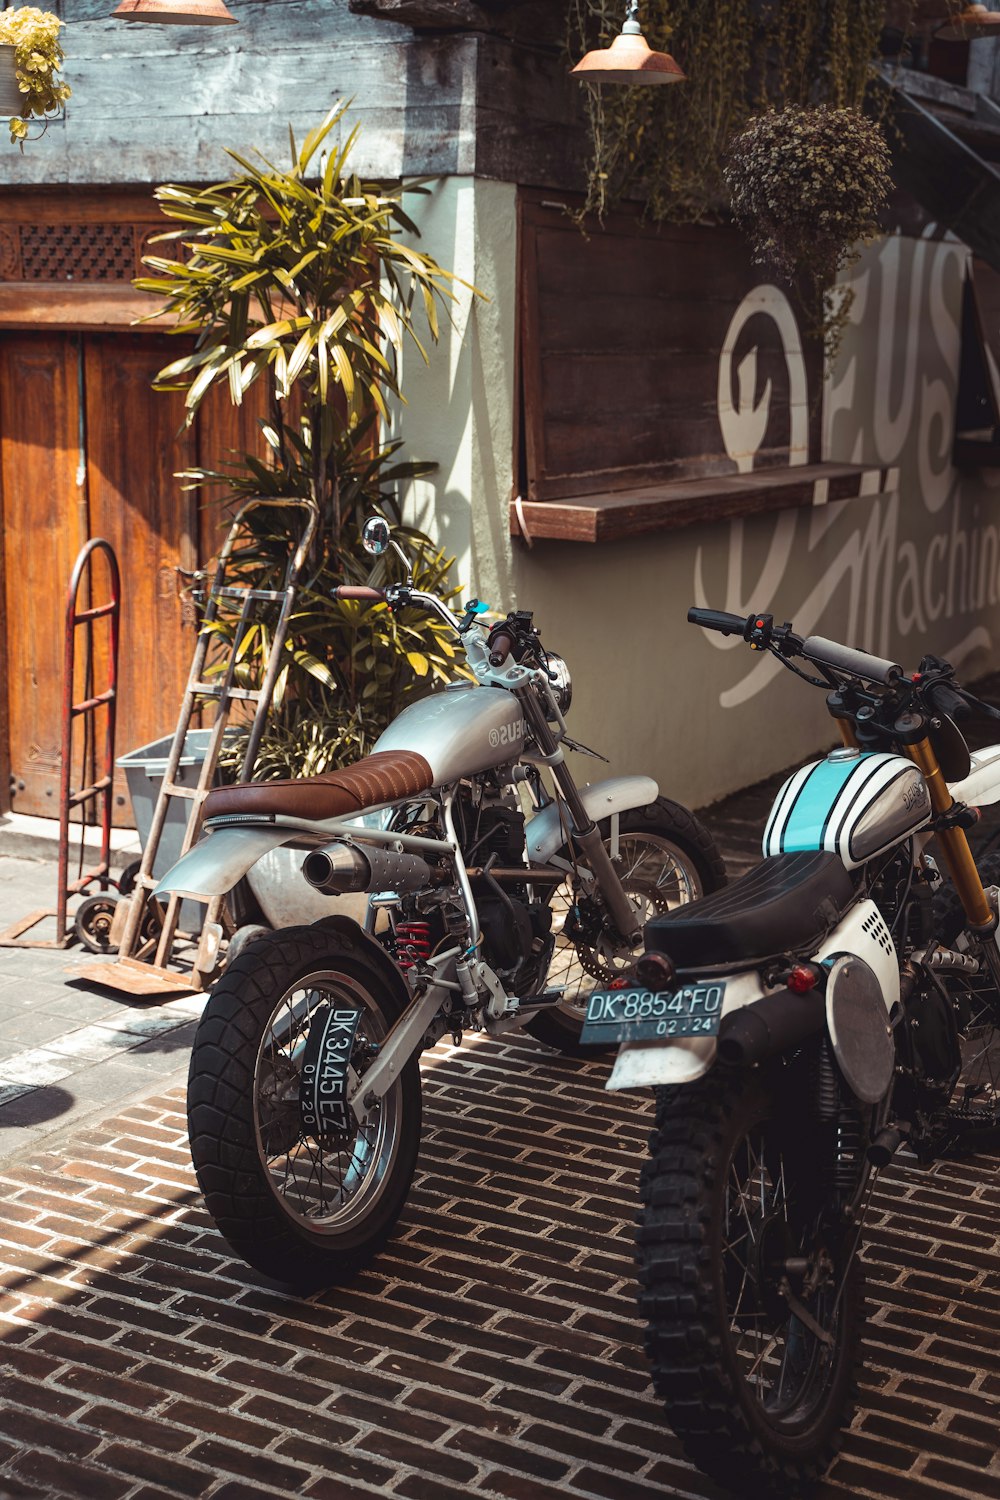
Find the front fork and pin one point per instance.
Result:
(958, 858)
(585, 831)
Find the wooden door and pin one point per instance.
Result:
(89, 449)
(44, 526)
(135, 447)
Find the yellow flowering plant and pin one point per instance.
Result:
(38, 57)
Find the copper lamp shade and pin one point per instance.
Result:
(629, 59)
(968, 24)
(176, 12)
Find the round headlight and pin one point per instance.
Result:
(560, 680)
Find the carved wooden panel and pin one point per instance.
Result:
(79, 251)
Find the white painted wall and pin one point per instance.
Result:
(912, 570)
(459, 409)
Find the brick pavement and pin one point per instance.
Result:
(493, 1350)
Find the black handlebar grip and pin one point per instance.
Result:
(502, 643)
(845, 659)
(718, 619)
(945, 700)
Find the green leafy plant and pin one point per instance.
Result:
(808, 186)
(298, 279)
(667, 146)
(38, 57)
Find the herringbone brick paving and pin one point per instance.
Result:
(494, 1348)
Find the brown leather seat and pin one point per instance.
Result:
(384, 777)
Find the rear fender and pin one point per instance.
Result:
(221, 859)
(653, 1064)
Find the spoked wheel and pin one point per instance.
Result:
(666, 857)
(301, 1188)
(753, 1313)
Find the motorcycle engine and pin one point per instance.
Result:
(515, 929)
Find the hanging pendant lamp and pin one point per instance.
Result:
(968, 24)
(176, 12)
(629, 59)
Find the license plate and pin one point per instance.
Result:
(653, 1015)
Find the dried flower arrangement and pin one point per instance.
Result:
(38, 57)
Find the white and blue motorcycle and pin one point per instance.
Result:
(497, 893)
(838, 1001)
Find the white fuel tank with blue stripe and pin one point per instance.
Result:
(854, 803)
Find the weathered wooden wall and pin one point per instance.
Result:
(154, 103)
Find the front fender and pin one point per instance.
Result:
(982, 785)
(602, 799)
(221, 859)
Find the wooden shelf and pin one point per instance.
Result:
(976, 453)
(666, 507)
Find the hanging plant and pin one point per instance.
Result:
(667, 147)
(808, 187)
(30, 86)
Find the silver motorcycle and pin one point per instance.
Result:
(499, 893)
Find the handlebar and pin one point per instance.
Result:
(760, 632)
(845, 659)
(944, 699)
(360, 591)
(718, 619)
(502, 643)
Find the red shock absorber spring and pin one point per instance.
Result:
(413, 942)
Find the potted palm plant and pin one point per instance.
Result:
(297, 281)
(30, 60)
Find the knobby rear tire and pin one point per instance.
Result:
(267, 1215)
(684, 841)
(700, 1367)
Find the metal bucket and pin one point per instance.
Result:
(11, 98)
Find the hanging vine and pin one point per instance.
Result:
(667, 146)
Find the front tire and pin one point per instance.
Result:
(758, 1380)
(303, 1209)
(666, 857)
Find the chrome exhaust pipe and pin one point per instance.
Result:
(341, 868)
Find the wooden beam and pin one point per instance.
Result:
(28, 304)
(542, 20)
(667, 507)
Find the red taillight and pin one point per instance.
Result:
(802, 979)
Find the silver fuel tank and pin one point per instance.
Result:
(460, 731)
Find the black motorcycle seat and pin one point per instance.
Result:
(783, 905)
